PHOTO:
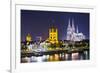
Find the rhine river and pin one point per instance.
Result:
(57, 57)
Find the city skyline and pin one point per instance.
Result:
(37, 23)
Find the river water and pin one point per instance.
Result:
(57, 57)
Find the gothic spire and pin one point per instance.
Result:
(69, 25)
(77, 31)
(73, 27)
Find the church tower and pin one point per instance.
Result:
(28, 38)
(77, 31)
(53, 35)
(73, 27)
(69, 30)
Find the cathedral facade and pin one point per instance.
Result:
(73, 33)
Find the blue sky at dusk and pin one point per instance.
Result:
(37, 23)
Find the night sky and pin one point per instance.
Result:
(37, 23)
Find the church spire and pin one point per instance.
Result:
(77, 31)
(69, 29)
(69, 26)
(73, 27)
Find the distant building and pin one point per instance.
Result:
(39, 38)
(28, 38)
(53, 35)
(74, 34)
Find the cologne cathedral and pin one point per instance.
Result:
(73, 33)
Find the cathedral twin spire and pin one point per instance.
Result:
(74, 34)
(72, 27)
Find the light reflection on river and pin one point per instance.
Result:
(56, 57)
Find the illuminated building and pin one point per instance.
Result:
(28, 38)
(74, 34)
(53, 35)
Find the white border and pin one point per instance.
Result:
(16, 66)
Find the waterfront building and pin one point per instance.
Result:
(73, 33)
(28, 38)
(53, 35)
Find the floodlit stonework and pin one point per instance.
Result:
(74, 34)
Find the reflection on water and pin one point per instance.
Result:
(57, 57)
(75, 56)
